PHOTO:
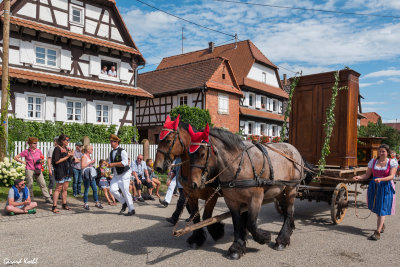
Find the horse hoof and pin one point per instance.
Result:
(234, 256)
(279, 247)
(262, 237)
(216, 231)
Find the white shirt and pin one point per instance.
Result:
(393, 164)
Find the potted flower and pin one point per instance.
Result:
(263, 106)
(276, 139)
(264, 139)
(253, 138)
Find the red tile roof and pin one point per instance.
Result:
(71, 35)
(265, 87)
(76, 82)
(370, 117)
(241, 58)
(185, 77)
(394, 125)
(261, 114)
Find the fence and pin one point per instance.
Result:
(100, 151)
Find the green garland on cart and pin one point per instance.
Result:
(293, 85)
(330, 122)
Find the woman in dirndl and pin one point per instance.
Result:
(381, 190)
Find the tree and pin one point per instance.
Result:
(197, 117)
(381, 130)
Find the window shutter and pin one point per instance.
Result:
(65, 63)
(280, 110)
(21, 106)
(279, 130)
(258, 128)
(49, 109)
(246, 127)
(26, 52)
(269, 129)
(258, 101)
(124, 71)
(61, 109)
(246, 99)
(90, 112)
(116, 114)
(270, 100)
(94, 65)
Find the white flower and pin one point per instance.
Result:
(6, 160)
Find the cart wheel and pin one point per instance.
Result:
(278, 207)
(339, 203)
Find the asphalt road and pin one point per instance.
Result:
(103, 238)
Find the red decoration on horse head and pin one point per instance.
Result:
(168, 124)
(198, 137)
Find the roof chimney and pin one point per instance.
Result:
(284, 79)
(211, 47)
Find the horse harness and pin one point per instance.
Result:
(177, 136)
(256, 181)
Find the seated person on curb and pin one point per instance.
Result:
(19, 200)
(139, 171)
(132, 187)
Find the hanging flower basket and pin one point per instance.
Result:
(253, 138)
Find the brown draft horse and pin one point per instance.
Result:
(176, 144)
(249, 177)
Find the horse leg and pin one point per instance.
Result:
(198, 237)
(286, 201)
(216, 230)
(238, 248)
(259, 235)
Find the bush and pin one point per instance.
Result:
(10, 171)
(19, 130)
(197, 117)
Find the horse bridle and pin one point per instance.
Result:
(177, 135)
(204, 173)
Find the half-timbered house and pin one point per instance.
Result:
(206, 84)
(261, 107)
(72, 61)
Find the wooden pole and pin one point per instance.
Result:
(209, 221)
(4, 81)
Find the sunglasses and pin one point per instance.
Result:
(34, 143)
(22, 184)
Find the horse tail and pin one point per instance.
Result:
(308, 171)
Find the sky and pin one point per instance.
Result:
(295, 40)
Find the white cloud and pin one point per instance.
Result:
(373, 109)
(383, 73)
(362, 85)
(373, 103)
(306, 70)
(390, 121)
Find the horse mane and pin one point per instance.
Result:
(185, 126)
(231, 141)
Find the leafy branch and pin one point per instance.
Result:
(293, 85)
(330, 122)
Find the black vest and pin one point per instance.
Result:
(118, 158)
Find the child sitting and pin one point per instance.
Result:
(154, 179)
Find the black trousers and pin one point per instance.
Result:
(180, 205)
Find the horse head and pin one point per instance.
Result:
(173, 142)
(202, 157)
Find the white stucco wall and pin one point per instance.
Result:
(256, 74)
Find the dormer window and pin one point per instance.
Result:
(76, 15)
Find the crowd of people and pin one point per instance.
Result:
(123, 181)
(117, 177)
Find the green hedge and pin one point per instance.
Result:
(19, 130)
(197, 117)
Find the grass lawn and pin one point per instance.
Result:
(38, 193)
